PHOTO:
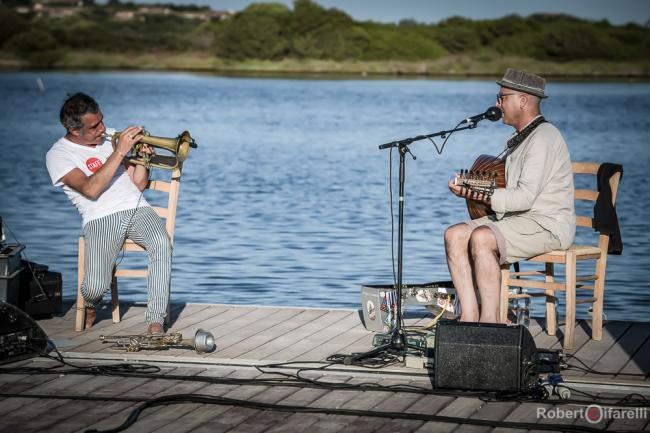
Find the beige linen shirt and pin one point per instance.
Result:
(539, 184)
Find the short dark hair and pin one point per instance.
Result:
(74, 108)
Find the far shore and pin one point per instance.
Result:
(461, 66)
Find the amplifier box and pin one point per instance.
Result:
(379, 302)
(482, 356)
(40, 290)
(10, 287)
(10, 259)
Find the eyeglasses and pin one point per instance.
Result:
(500, 96)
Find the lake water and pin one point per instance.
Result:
(286, 200)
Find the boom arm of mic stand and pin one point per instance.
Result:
(407, 141)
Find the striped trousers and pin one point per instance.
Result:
(104, 238)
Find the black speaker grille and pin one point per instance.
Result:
(475, 356)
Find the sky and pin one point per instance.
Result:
(431, 11)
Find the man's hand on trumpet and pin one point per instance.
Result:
(127, 139)
(146, 149)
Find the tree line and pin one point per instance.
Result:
(309, 31)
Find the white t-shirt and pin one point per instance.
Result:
(120, 194)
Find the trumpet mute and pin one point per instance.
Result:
(203, 341)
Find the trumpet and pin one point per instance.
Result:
(202, 342)
(179, 147)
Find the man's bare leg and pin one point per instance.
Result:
(457, 250)
(91, 316)
(485, 254)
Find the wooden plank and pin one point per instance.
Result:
(491, 411)
(638, 421)
(337, 344)
(639, 363)
(287, 334)
(199, 416)
(256, 329)
(397, 402)
(350, 399)
(215, 323)
(109, 421)
(154, 419)
(43, 414)
(233, 415)
(227, 332)
(362, 344)
(88, 412)
(526, 413)
(369, 400)
(623, 350)
(262, 420)
(461, 407)
(592, 351)
(300, 422)
(320, 337)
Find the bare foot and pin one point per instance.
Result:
(91, 315)
(155, 328)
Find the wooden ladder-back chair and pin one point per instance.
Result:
(567, 258)
(168, 213)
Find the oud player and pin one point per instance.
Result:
(532, 214)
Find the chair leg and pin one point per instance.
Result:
(503, 297)
(80, 318)
(115, 302)
(569, 325)
(599, 292)
(551, 318)
(168, 313)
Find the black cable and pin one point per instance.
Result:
(219, 400)
(588, 369)
(625, 401)
(446, 137)
(100, 370)
(148, 371)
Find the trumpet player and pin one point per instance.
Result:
(107, 191)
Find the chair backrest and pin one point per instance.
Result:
(591, 168)
(172, 188)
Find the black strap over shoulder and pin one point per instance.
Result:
(521, 136)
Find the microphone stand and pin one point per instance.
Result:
(397, 342)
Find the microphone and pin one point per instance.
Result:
(492, 113)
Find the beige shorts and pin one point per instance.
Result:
(518, 237)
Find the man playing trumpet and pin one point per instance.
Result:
(107, 191)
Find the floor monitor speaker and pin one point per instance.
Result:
(478, 356)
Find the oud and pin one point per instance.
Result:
(486, 174)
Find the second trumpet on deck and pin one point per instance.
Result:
(179, 147)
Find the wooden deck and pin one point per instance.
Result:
(256, 335)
